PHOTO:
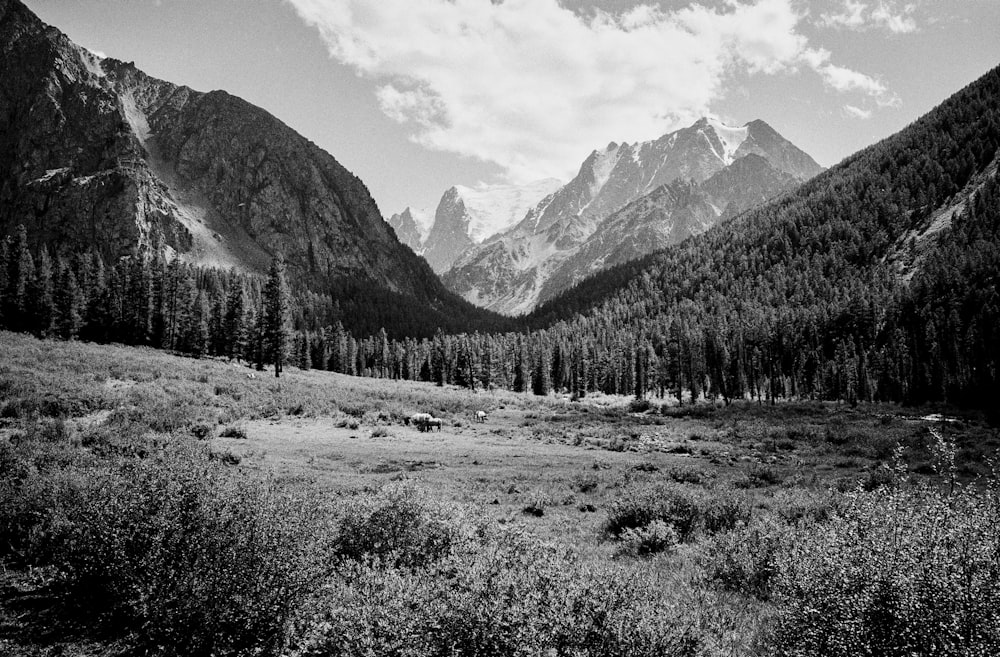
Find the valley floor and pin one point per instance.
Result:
(564, 472)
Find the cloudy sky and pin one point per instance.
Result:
(417, 95)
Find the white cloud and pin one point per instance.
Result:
(533, 86)
(857, 112)
(885, 14)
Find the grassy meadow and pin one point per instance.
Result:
(155, 504)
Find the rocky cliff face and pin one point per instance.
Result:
(94, 153)
(668, 215)
(449, 235)
(467, 216)
(564, 238)
(407, 230)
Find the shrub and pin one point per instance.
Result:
(234, 431)
(185, 556)
(909, 571)
(759, 476)
(723, 510)
(686, 474)
(399, 525)
(347, 423)
(585, 483)
(747, 558)
(639, 406)
(795, 505)
(672, 504)
(653, 538)
(201, 431)
(504, 593)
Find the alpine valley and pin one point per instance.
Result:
(705, 399)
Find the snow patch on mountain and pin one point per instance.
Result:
(424, 219)
(731, 138)
(494, 209)
(604, 164)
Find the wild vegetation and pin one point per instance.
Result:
(167, 505)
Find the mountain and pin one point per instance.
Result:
(875, 280)
(527, 265)
(466, 216)
(669, 215)
(411, 228)
(95, 154)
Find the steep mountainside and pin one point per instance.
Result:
(528, 264)
(466, 216)
(96, 154)
(408, 231)
(669, 215)
(858, 280)
(449, 234)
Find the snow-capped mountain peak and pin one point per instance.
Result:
(467, 216)
(603, 164)
(493, 209)
(730, 137)
(514, 271)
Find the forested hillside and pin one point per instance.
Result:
(876, 280)
(97, 157)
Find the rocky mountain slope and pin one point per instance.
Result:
(539, 257)
(669, 215)
(466, 216)
(95, 153)
(409, 227)
(866, 249)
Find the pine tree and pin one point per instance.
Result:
(541, 381)
(235, 322)
(69, 304)
(139, 300)
(97, 315)
(20, 273)
(196, 328)
(43, 310)
(276, 309)
(303, 354)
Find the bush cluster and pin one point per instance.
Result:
(907, 571)
(504, 593)
(684, 508)
(400, 526)
(176, 551)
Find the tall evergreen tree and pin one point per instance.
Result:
(69, 303)
(20, 273)
(235, 324)
(43, 308)
(276, 313)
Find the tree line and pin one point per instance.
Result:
(935, 339)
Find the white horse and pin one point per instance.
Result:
(480, 416)
(417, 419)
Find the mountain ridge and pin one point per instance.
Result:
(98, 154)
(512, 272)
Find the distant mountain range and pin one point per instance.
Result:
(712, 172)
(95, 154)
